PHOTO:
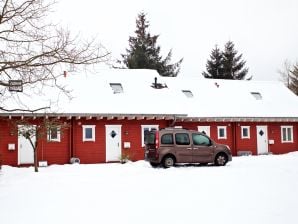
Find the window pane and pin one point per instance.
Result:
(289, 134)
(182, 139)
(54, 133)
(88, 133)
(284, 134)
(200, 139)
(167, 139)
(244, 132)
(221, 132)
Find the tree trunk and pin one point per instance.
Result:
(34, 146)
(35, 161)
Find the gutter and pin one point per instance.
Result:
(70, 115)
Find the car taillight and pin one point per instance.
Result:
(156, 144)
(156, 140)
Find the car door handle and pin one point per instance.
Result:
(195, 148)
(189, 148)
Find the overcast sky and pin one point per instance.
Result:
(264, 31)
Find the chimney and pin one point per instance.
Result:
(155, 82)
(65, 74)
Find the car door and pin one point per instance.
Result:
(202, 148)
(183, 148)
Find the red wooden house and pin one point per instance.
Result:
(110, 112)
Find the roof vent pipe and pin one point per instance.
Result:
(155, 82)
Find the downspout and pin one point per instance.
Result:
(234, 150)
(71, 139)
(173, 122)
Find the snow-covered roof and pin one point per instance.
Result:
(123, 91)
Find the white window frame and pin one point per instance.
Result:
(49, 134)
(84, 133)
(248, 132)
(287, 140)
(150, 128)
(225, 132)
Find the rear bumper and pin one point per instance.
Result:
(151, 158)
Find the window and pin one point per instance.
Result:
(245, 132)
(286, 134)
(116, 87)
(182, 139)
(54, 134)
(145, 129)
(188, 93)
(88, 133)
(221, 132)
(198, 139)
(167, 139)
(256, 95)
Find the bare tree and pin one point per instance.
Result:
(294, 79)
(285, 72)
(36, 52)
(289, 75)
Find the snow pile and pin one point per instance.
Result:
(254, 189)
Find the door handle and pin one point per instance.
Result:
(189, 148)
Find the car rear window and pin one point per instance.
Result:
(150, 138)
(167, 139)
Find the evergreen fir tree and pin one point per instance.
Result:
(144, 53)
(214, 66)
(233, 65)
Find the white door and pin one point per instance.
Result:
(204, 129)
(262, 139)
(25, 150)
(113, 143)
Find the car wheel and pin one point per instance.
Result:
(154, 164)
(168, 161)
(221, 159)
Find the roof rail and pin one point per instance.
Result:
(175, 127)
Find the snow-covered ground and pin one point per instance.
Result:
(254, 189)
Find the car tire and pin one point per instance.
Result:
(154, 164)
(168, 161)
(221, 159)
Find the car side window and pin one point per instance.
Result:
(167, 139)
(199, 139)
(182, 139)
